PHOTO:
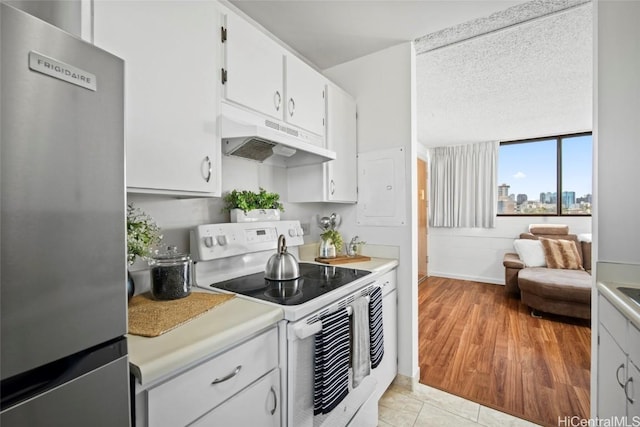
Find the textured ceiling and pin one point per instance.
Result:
(527, 80)
(330, 32)
(529, 75)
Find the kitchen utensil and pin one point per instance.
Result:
(170, 275)
(325, 223)
(282, 265)
(335, 220)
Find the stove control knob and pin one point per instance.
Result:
(292, 232)
(209, 242)
(300, 232)
(222, 240)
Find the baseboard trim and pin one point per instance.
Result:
(406, 382)
(491, 280)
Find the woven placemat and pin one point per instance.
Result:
(150, 318)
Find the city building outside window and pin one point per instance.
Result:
(546, 176)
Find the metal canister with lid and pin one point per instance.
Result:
(170, 274)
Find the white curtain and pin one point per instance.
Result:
(463, 185)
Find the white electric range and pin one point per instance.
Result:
(231, 257)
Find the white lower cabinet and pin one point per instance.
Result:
(257, 405)
(618, 362)
(242, 383)
(612, 373)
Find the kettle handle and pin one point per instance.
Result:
(282, 244)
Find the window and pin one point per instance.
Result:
(545, 176)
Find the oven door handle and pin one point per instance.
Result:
(304, 330)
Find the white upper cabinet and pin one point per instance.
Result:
(172, 69)
(336, 180)
(261, 75)
(341, 137)
(254, 68)
(305, 95)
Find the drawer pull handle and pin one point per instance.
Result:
(626, 390)
(618, 375)
(275, 401)
(227, 377)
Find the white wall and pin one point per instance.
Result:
(383, 85)
(177, 216)
(618, 132)
(617, 150)
(476, 253)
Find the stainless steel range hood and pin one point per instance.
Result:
(253, 136)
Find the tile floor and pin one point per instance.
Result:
(427, 406)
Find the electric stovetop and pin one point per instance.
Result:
(315, 280)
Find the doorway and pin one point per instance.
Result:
(423, 257)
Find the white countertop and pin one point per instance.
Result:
(379, 265)
(219, 328)
(622, 302)
(230, 323)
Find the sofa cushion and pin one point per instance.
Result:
(560, 253)
(530, 252)
(553, 229)
(586, 255)
(568, 285)
(571, 237)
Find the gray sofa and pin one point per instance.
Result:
(549, 290)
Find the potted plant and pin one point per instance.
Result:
(248, 206)
(331, 244)
(143, 234)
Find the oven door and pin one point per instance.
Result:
(357, 409)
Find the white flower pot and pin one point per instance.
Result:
(238, 215)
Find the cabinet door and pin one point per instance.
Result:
(254, 68)
(171, 99)
(305, 100)
(341, 138)
(612, 374)
(257, 405)
(632, 391)
(336, 180)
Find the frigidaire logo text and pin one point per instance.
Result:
(59, 69)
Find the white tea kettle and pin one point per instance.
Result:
(282, 265)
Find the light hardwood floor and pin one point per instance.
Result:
(478, 343)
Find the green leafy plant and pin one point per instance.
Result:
(335, 237)
(249, 200)
(142, 234)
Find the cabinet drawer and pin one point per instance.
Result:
(192, 394)
(614, 322)
(257, 405)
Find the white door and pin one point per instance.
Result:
(171, 99)
(305, 97)
(341, 138)
(612, 374)
(254, 68)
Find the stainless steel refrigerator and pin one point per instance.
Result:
(63, 247)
